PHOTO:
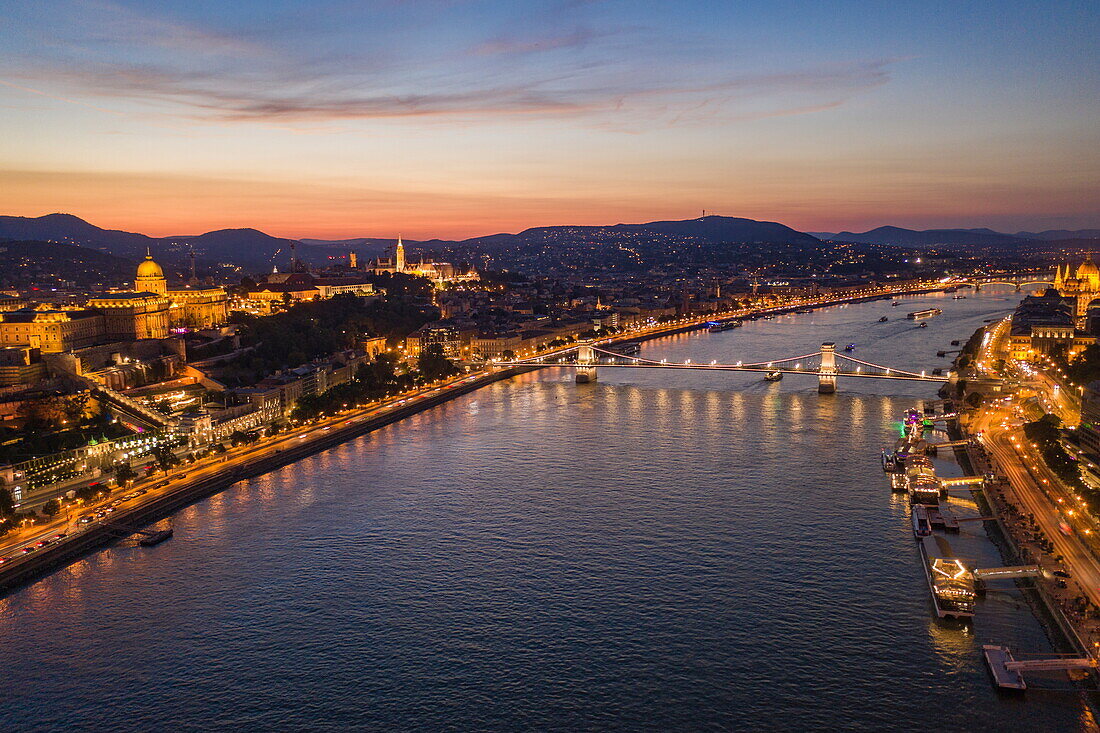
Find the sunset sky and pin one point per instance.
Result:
(456, 118)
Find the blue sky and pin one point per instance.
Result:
(452, 118)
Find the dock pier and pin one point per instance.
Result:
(1008, 671)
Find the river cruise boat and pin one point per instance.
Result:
(922, 524)
(926, 313)
(850, 347)
(773, 376)
(958, 297)
(921, 482)
(949, 581)
(716, 326)
(884, 319)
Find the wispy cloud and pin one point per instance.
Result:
(611, 77)
(308, 98)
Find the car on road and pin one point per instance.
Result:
(43, 543)
(27, 549)
(4, 560)
(1061, 573)
(59, 536)
(87, 519)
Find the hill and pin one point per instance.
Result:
(69, 229)
(930, 237)
(246, 248)
(1051, 235)
(26, 264)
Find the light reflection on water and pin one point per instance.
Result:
(658, 550)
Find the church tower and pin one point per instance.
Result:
(400, 260)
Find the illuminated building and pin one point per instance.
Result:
(1045, 325)
(21, 365)
(132, 316)
(443, 334)
(1082, 285)
(436, 271)
(194, 307)
(51, 331)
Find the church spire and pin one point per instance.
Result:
(400, 257)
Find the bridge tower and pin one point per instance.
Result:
(586, 360)
(826, 373)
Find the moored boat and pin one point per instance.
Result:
(773, 376)
(949, 581)
(922, 525)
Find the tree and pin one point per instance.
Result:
(508, 355)
(124, 472)
(165, 457)
(51, 507)
(434, 365)
(7, 504)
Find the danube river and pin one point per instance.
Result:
(659, 550)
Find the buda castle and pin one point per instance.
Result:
(149, 311)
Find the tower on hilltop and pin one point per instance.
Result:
(400, 256)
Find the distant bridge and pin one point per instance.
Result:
(826, 364)
(1018, 282)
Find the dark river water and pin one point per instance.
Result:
(659, 550)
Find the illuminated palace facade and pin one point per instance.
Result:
(149, 311)
(152, 308)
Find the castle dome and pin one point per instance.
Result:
(149, 268)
